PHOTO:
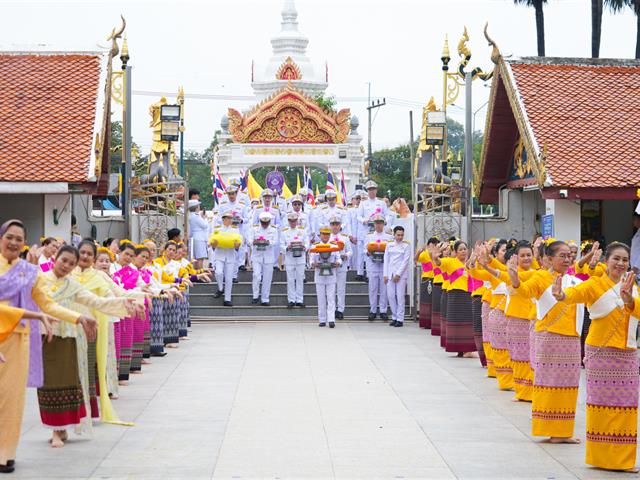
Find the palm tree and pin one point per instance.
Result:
(537, 5)
(615, 6)
(596, 27)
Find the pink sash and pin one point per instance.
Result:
(427, 267)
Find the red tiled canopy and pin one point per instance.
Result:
(585, 111)
(48, 106)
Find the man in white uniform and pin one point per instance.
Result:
(326, 284)
(397, 258)
(335, 223)
(377, 288)
(291, 239)
(264, 241)
(331, 209)
(225, 259)
(369, 207)
(352, 216)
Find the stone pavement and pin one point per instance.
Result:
(291, 400)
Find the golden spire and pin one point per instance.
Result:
(446, 55)
(125, 47)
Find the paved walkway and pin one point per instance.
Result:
(291, 400)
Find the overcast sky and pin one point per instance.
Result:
(207, 46)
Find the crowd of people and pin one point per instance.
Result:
(79, 322)
(271, 233)
(536, 314)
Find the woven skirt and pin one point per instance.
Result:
(486, 344)
(555, 385)
(146, 349)
(519, 351)
(500, 349)
(60, 397)
(612, 407)
(137, 349)
(92, 365)
(183, 306)
(436, 295)
(444, 301)
(424, 312)
(170, 315)
(476, 315)
(156, 321)
(112, 362)
(459, 323)
(126, 347)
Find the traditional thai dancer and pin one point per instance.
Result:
(423, 259)
(611, 360)
(557, 351)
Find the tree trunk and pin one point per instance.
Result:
(638, 35)
(540, 27)
(596, 27)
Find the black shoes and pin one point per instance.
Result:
(301, 305)
(359, 278)
(235, 280)
(371, 317)
(218, 293)
(322, 324)
(158, 354)
(392, 323)
(265, 304)
(339, 315)
(254, 301)
(227, 304)
(7, 468)
(291, 305)
(243, 268)
(399, 324)
(384, 317)
(332, 324)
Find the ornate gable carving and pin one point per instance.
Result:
(289, 116)
(288, 71)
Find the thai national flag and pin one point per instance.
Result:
(343, 188)
(309, 184)
(243, 179)
(330, 183)
(219, 187)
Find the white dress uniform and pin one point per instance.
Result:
(397, 258)
(326, 289)
(262, 261)
(325, 212)
(199, 235)
(352, 218)
(238, 209)
(341, 273)
(366, 210)
(377, 288)
(294, 266)
(225, 264)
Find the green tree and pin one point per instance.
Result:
(197, 167)
(391, 170)
(538, 7)
(115, 150)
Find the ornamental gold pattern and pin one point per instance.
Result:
(289, 116)
(288, 151)
(289, 71)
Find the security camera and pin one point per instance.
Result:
(564, 193)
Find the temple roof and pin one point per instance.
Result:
(51, 115)
(578, 118)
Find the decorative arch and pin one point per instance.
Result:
(289, 116)
(288, 71)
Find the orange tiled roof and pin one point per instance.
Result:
(48, 107)
(587, 112)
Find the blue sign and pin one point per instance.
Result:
(547, 226)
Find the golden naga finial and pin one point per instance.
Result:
(115, 35)
(431, 105)
(495, 52)
(463, 50)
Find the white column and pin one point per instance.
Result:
(566, 219)
(61, 206)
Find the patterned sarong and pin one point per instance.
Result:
(486, 344)
(476, 316)
(612, 407)
(443, 318)
(555, 385)
(500, 349)
(519, 351)
(459, 323)
(156, 320)
(424, 312)
(436, 295)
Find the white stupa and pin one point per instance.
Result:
(289, 62)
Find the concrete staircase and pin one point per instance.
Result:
(206, 308)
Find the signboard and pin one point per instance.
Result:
(275, 181)
(547, 226)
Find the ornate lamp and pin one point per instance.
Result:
(170, 123)
(436, 127)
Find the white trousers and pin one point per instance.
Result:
(224, 276)
(355, 257)
(239, 259)
(396, 294)
(326, 302)
(341, 289)
(377, 292)
(361, 257)
(295, 282)
(262, 272)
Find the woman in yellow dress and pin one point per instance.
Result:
(611, 360)
(557, 351)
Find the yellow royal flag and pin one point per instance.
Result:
(317, 192)
(298, 184)
(255, 190)
(286, 193)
